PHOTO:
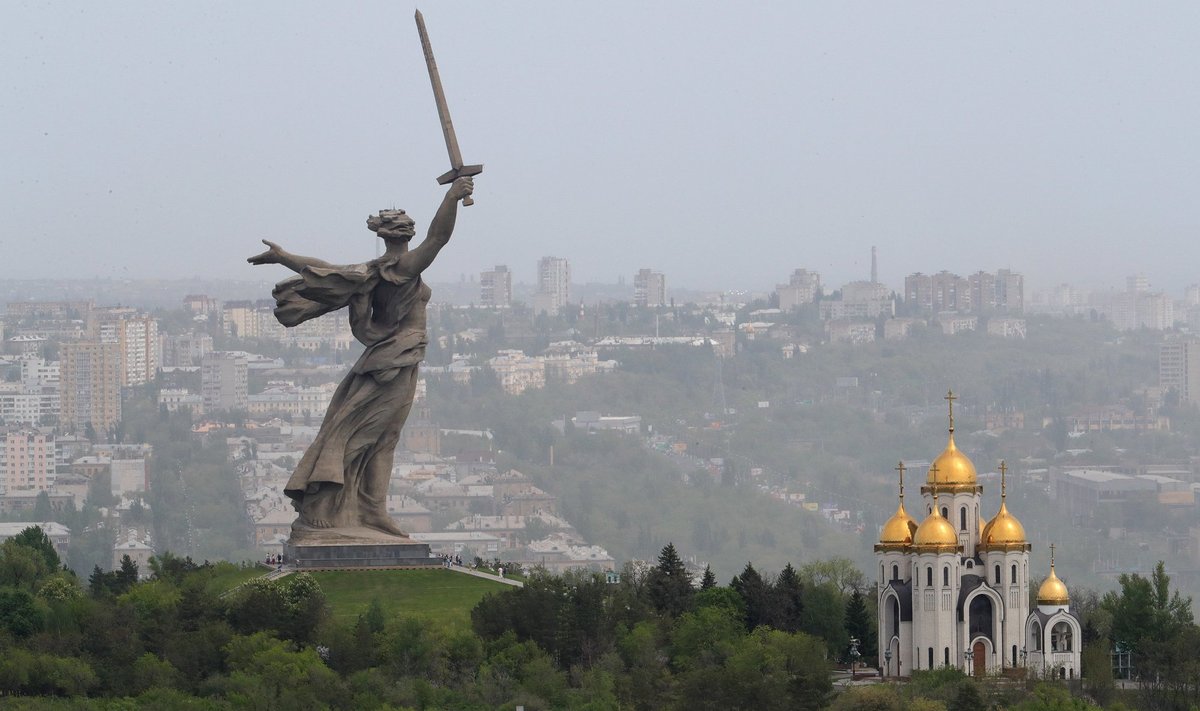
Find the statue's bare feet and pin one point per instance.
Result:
(317, 507)
(382, 522)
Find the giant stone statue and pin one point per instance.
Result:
(341, 484)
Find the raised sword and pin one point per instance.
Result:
(457, 169)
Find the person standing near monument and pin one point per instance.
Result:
(342, 481)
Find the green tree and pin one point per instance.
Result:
(860, 624)
(669, 583)
(270, 673)
(709, 580)
(755, 596)
(36, 539)
(1048, 697)
(787, 601)
(1145, 611)
(41, 507)
(23, 566)
(20, 615)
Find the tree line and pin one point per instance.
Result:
(186, 635)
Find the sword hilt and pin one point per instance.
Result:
(461, 172)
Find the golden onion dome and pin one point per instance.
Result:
(899, 529)
(1053, 591)
(952, 467)
(935, 531)
(1003, 530)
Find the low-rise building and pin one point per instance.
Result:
(59, 535)
(467, 544)
(1006, 327)
(558, 553)
(138, 551)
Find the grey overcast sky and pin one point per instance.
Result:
(722, 143)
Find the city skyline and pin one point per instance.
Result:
(1047, 140)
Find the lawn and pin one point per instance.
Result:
(228, 576)
(431, 594)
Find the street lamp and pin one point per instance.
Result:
(887, 657)
(970, 657)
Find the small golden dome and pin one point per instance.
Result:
(1003, 530)
(1052, 591)
(899, 529)
(952, 467)
(935, 531)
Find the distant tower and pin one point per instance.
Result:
(649, 288)
(554, 285)
(874, 268)
(495, 287)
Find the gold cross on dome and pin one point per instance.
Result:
(900, 468)
(1003, 479)
(950, 398)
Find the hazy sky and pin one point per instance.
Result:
(722, 144)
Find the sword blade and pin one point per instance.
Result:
(439, 96)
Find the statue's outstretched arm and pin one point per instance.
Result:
(278, 255)
(440, 228)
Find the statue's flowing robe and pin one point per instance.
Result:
(370, 405)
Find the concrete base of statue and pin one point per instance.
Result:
(354, 549)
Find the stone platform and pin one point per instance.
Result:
(351, 549)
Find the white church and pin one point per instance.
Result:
(953, 591)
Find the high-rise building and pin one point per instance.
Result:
(918, 291)
(554, 284)
(34, 400)
(223, 381)
(90, 385)
(950, 292)
(495, 287)
(240, 319)
(1010, 291)
(185, 349)
(26, 461)
(137, 342)
(802, 288)
(983, 292)
(1179, 368)
(649, 288)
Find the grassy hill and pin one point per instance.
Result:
(431, 594)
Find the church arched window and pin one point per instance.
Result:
(962, 518)
(895, 572)
(946, 576)
(1014, 574)
(946, 656)
(1014, 655)
(929, 576)
(945, 512)
(997, 573)
(1060, 637)
(1037, 637)
(931, 657)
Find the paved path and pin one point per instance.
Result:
(487, 576)
(281, 572)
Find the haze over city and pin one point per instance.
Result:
(721, 144)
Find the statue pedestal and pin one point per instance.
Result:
(354, 548)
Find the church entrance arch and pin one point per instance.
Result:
(981, 614)
(979, 658)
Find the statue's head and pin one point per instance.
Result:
(392, 225)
